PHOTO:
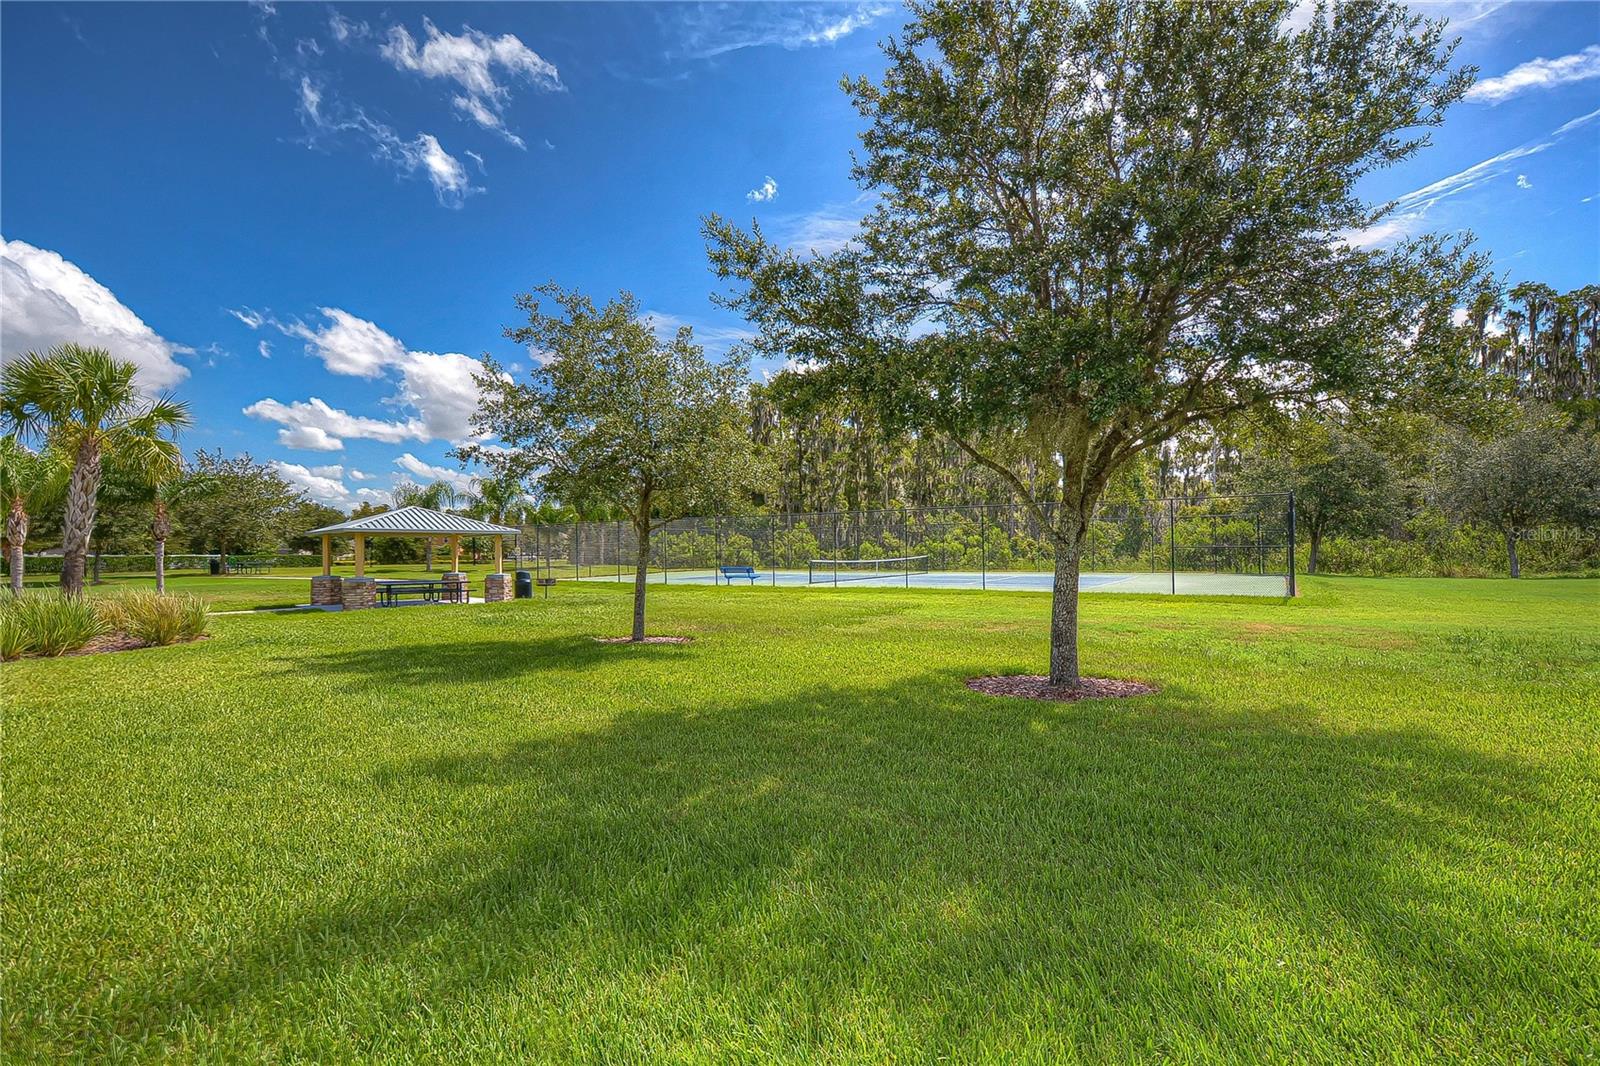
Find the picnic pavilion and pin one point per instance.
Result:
(330, 590)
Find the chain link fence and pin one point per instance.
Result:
(1220, 545)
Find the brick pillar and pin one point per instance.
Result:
(327, 590)
(455, 587)
(360, 592)
(497, 588)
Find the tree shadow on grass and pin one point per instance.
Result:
(914, 870)
(460, 663)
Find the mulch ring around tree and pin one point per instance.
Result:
(646, 640)
(1038, 687)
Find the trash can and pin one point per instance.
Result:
(216, 567)
(524, 585)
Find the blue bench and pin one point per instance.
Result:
(731, 572)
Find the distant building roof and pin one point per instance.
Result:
(415, 521)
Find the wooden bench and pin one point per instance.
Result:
(731, 572)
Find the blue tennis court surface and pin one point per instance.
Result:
(1209, 584)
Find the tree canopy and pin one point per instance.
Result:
(1096, 225)
(613, 414)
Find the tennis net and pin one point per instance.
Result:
(833, 571)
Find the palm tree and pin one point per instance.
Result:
(28, 480)
(436, 496)
(86, 405)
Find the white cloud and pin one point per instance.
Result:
(1538, 74)
(711, 336)
(422, 153)
(321, 487)
(314, 425)
(265, 348)
(1409, 211)
(360, 475)
(46, 300)
(334, 470)
(824, 231)
(250, 318)
(767, 190)
(440, 387)
(481, 65)
(459, 480)
(1523, 182)
(702, 31)
(349, 345)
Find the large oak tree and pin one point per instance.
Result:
(1096, 224)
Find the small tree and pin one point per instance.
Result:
(617, 415)
(1099, 223)
(88, 406)
(1520, 480)
(1341, 484)
(27, 481)
(233, 503)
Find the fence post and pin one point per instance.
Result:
(1172, 542)
(1291, 544)
(716, 576)
(772, 547)
(983, 546)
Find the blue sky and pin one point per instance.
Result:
(307, 219)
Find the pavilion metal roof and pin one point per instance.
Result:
(416, 521)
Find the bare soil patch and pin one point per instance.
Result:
(1038, 687)
(646, 640)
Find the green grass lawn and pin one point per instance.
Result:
(1361, 826)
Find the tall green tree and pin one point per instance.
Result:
(617, 415)
(1513, 482)
(28, 480)
(1341, 483)
(233, 503)
(86, 404)
(1099, 223)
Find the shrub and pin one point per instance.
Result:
(47, 623)
(153, 618)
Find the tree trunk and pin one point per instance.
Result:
(222, 556)
(16, 539)
(160, 530)
(1316, 546)
(95, 578)
(641, 573)
(79, 525)
(1511, 553)
(1064, 614)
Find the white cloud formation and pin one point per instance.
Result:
(440, 387)
(826, 230)
(479, 64)
(1410, 210)
(702, 31)
(711, 336)
(314, 425)
(459, 480)
(766, 191)
(1523, 182)
(360, 475)
(265, 348)
(46, 300)
(316, 483)
(420, 154)
(1539, 74)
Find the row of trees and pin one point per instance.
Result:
(1099, 229)
(1547, 344)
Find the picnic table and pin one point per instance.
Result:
(432, 590)
(249, 566)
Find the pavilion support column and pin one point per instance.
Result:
(327, 554)
(499, 554)
(455, 551)
(361, 554)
